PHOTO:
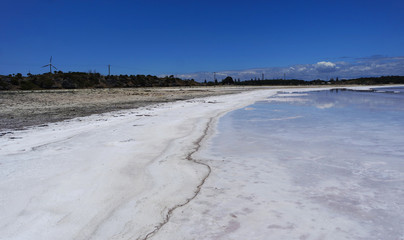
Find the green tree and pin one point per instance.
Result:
(228, 80)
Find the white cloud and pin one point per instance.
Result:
(326, 64)
(326, 67)
(300, 69)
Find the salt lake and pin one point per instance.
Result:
(303, 165)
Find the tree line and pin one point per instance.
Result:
(75, 80)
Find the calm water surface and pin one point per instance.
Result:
(343, 150)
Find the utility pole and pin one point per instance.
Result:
(109, 69)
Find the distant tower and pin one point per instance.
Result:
(109, 69)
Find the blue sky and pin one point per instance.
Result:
(199, 37)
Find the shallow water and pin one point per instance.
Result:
(313, 165)
(344, 150)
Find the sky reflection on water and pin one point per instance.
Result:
(343, 149)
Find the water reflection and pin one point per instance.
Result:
(343, 149)
(386, 99)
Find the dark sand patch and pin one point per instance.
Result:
(21, 109)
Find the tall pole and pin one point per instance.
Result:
(109, 69)
(50, 68)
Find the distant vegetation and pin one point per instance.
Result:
(74, 80)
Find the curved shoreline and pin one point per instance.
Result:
(22, 109)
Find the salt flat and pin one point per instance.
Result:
(132, 175)
(109, 176)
